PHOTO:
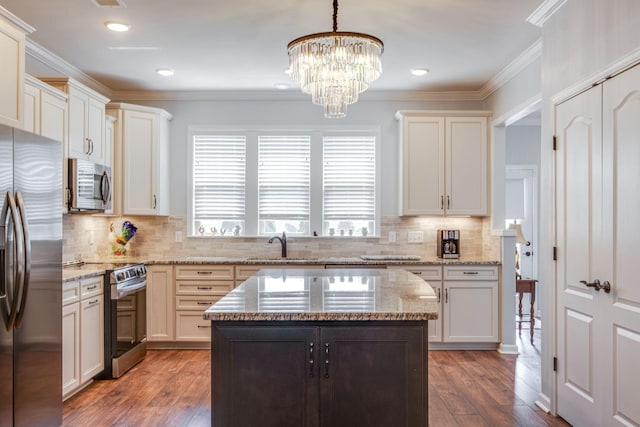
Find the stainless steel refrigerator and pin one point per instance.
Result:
(30, 279)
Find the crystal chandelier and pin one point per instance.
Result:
(335, 67)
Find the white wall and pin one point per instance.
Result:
(288, 113)
(523, 145)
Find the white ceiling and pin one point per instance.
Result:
(241, 44)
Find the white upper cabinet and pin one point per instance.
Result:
(44, 109)
(443, 163)
(13, 32)
(141, 159)
(85, 120)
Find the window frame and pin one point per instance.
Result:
(316, 134)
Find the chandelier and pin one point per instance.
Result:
(335, 67)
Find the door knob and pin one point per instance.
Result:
(528, 253)
(606, 287)
(597, 286)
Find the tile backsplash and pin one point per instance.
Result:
(86, 238)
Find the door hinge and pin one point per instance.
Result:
(555, 142)
(555, 364)
(555, 253)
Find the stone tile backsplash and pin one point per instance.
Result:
(86, 238)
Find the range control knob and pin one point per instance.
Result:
(120, 276)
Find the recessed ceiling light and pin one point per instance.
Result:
(117, 26)
(165, 72)
(281, 86)
(419, 71)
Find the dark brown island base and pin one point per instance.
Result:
(345, 347)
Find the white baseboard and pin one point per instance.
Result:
(508, 349)
(543, 402)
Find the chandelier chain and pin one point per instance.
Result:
(335, 16)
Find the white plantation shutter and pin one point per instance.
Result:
(219, 177)
(349, 178)
(284, 177)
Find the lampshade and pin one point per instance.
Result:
(520, 239)
(335, 67)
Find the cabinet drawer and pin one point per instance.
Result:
(91, 287)
(470, 272)
(204, 272)
(190, 326)
(70, 292)
(243, 272)
(202, 287)
(427, 273)
(196, 302)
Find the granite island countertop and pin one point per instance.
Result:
(357, 294)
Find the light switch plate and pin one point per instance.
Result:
(416, 237)
(178, 236)
(392, 237)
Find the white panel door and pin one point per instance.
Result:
(597, 232)
(579, 240)
(621, 181)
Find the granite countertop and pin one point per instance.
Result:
(371, 260)
(328, 295)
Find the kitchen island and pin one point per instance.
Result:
(333, 347)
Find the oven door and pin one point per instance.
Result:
(129, 323)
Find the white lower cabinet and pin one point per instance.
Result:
(469, 309)
(70, 337)
(160, 303)
(197, 288)
(82, 332)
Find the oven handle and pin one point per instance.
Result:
(129, 290)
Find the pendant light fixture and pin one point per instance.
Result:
(335, 67)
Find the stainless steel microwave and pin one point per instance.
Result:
(89, 186)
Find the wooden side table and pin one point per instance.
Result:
(526, 286)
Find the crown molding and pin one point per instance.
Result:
(64, 68)
(544, 12)
(17, 22)
(523, 60)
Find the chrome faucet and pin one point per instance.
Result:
(283, 242)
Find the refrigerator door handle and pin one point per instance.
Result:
(26, 279)
(10, 212)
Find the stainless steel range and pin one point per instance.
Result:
(125, 318)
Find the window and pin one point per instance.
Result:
(219, 169)
(349, 185)
(284, 195)
(254, 182)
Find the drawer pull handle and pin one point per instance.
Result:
(204, 327)
(205, 272)
(470, 272)
(204, 288)
(311, 359)
(418, 273)
(95, 301)
(204, 303)
(91, 287)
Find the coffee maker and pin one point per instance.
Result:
(448, 244)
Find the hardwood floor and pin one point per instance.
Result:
(466, 388)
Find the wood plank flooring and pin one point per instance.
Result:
(466, 388)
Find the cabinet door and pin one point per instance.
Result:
(470, 311)
(466, 167)
(267, 377)
(160, 303)
(70, 348)
(160, 177)
(12, 47)
(78, 103)
(31, 109)
(139, 134)
(109, 145)
(422, 151)
(52, 113)
(91, 337)
(95, 130)
(373, 376)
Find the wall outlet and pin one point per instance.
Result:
(416, 237)
(178, 236)
(392, 237)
